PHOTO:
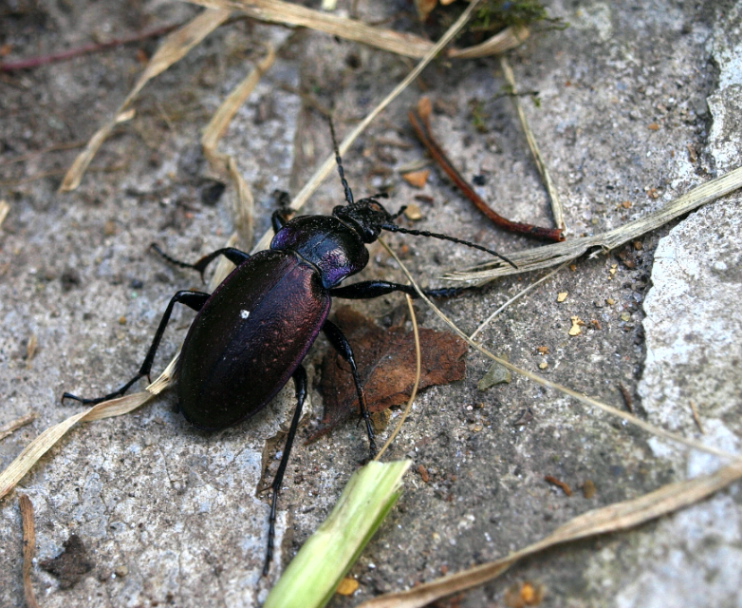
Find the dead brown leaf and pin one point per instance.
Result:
(386, 364)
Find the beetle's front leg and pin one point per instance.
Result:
(192, 299)
(340, 343)
(300, 390)
(365, 290)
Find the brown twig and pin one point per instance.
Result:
(423, 131)
(13, 426)
(29, 548)
(560, 484)
(34, 62)
(627, 398)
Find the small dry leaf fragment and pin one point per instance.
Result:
(543, 365)
(524, 594)
(347, 586)
(625, 316)
(417, 179)
(413, 212)
(543, 350)
(31, 347)
(424, 8)
(626, 204)
(589, 489)
(380, 420)
(654, 126)
(613, 271)
(562, 296)
(653, 193)
(575, 327)
(497, 374)
(424, 107)
(610, 301)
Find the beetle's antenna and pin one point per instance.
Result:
(444, 237)
(346, 188)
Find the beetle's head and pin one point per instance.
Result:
(367, 217)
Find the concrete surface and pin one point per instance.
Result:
(169, 516)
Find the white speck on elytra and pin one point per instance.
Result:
(244, 314)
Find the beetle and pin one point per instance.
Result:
(250, 335)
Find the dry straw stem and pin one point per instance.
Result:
(414, 392)
(29, 548)
(175, 46)
(14, 425)
(557, 213)
(224, 164)
(4, 210)
(407, 45)
(559, 253)
(614, 518)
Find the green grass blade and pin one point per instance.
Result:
(326, 557)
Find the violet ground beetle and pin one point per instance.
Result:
(251, 334)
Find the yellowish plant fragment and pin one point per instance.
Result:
(315, 573)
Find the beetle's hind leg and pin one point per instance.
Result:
(300, 389)
(192, 299)
(341, 344)
(235, 256)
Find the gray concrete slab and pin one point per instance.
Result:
(168, 515)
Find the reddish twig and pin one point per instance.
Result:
(34, 62)
(423, 131)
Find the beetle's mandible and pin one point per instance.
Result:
(251, 334)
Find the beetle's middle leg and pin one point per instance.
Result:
(194, 300)
(300, 389)
(340, 343)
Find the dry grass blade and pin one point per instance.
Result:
(500, 43)
(175, 46)
(614, 518)
(13, 426)
(29, 548)
(407, 45)
(223, 164)
(414, 392)
(557, 213)
(559, 253)
(17, 469)
(4, 210)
